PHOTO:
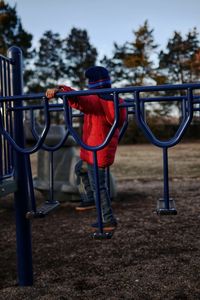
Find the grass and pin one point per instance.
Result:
(144, 162)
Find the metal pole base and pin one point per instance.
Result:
(163, 209)
(102, 235)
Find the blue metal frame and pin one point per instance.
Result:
(6, 166)
(23, 227)
(187, 111)
(21, 161)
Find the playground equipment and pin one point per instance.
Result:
(52, 178)
(15, 167)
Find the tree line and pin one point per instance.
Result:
(135, 62)
(131, 63)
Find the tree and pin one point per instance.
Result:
(48, 63)
(131, 62)
(12, 32)
(79, 55)
(180, 62)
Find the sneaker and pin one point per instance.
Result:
(85, 206)
(108, 226)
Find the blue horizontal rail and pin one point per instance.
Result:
(135, 103)
(157, 88)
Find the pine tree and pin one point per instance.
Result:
(80, 55)
(48, 63)
(131, 62)
(12, 32)
(179, 62)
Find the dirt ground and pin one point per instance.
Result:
(149, 256)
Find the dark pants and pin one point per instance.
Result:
(86, 185)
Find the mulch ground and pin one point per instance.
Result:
(149, 256)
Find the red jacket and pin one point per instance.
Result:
(98, 118)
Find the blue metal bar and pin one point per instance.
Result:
(30, 183)
(51, 177)
(1, 160)
(1, 138)
(166, 87)
(10, 60)
(4, 90)
(108, 180)
(23, 228)
(40, 140)
(181, 130)
(9, 116)
(142, 109)
(166, 178)
(97, 192)
(77, 138)
(37, 137)
(52, 107)
(1, 78)
(5, 145)
(7, 121)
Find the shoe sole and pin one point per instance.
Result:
(84, 208)
(105, 229)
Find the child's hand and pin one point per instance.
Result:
(50, 93)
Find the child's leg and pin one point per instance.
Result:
(83, 185)
(107, 214)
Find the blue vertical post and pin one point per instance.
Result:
(166, 178)
(23, 227)
(97, 191)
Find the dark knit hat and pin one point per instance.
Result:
(98, 77)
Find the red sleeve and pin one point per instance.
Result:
(86, 104)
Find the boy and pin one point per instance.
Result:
(98, 119)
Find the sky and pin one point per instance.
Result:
(109, 21)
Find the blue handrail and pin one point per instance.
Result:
(165, 87)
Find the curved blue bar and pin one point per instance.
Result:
(37, 137)
(188, 114)
(40, 140)
(74, 133)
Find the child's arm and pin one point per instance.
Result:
(86, 104)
